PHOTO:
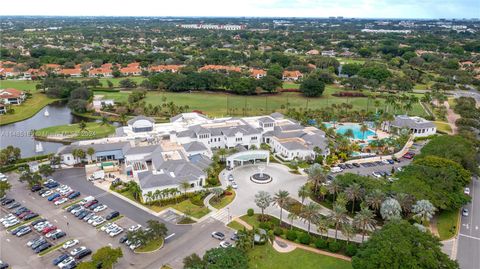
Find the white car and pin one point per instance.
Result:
(66, 262)
(106, 226)
(40, 226)
(50, 234)
(61, 201)
(134, 228)
(91, 220)
(75, 251)
(467, 191)
(100, 208)
(111, 228)
(377, 174)
(385, 162)
(234, 185)
(225, 244)
(9, 219)
(12, 223)
(98, 221)
(230, 177)
(6, 217)
(80, 208)
(70, 243)
(47, 193)
(134, 246)
(116, 232)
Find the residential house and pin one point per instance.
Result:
(12, 96)
(291, 75)
(220, 68)
(70, 72)
(418, 127)
(258, 73)
(165, 68)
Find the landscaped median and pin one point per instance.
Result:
(23, 223)
(151, 246)
(71, 132)
(447, 223)
(53, 248)
(224, 200)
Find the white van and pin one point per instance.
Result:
(86, 200)
(3, 177)
(336, 169)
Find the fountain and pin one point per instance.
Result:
(261, 177)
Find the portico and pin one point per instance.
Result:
(240, 158)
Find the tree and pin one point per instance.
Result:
(107, 257)
(292, 216)
(135, 190)
(225, 258)
(310, 213)
(348, 231)
(10, 154)
(364, 220)
(82, 125)
(401, 245)
(4, 187)
(90, 152)
(185, 186)
(363, 129)
(193, 262)
(375, 199)
(157, 229)
(263, 200)
(303, 192)
(338, 216)
(45, 170)
(31, 178)
(390, 209)
(312, 87)
(281, 199)
(322, 225)
(269, 83)
(317, 175)
(104, 121)
(354, 192)
(334, 188)
(423, 210)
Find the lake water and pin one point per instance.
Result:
(19, 134)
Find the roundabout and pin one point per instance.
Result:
(261, 177)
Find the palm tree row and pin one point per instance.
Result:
(160, 195)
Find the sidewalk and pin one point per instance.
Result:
(314, 250)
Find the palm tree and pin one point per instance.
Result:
(82, 125)
(148, 197)
(338, 216)
(263, 200)
(135, 190)
(348, 231)
(303, 192)
(157, 195)
(292, 216)
(185, 186)
(390, 209)
(349, 133)
(424, 210)
(90, 152)
(406, 201)
(281, 198)
(104, 121)
(363, 128)
(354, 192)
(317, 175)
(310, 213)
(334, 188)
(374, 199)
(364, 220)
(123, 119)
(322, 225)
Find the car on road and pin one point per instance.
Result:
(409, 155)
(4, 265)
(225, 244)
(230, 177)
(336, 169)
(218, 235)
(465, 212)
(66, 262)
(59, 259)
(112, 215)
(70, 243)
(466, 191)
(234, 185)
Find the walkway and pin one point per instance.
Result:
(452, 117)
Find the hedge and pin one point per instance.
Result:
(351, 250)
(304, 238)
(334, 246)
(291, 235)
(321, 243)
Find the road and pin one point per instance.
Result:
(468, 250)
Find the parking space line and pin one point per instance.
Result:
(469, 236)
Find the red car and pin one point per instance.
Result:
(409, 155)
(68, 193)
(46, 230)
(24, 214)
(89, 204)
(56, 199)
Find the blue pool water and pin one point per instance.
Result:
(357, 134)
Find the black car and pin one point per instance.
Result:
(356, 165)
(35, 222)
(4, 265)
(79, 212)
(58, 235)
(341, 165)
(92, 207)
(19, 211)
(349, 166)
(123, 239)
(8, 201)
(38, 243)
(30, 216)
(59, 259)
(16, 230)
(36, 188)
(42, 247)
(72, 207)
(83, 253)
(112, 215)
(83, 214)
(42, 191)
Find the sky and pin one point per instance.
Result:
(251, 8)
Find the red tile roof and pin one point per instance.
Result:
(10, 93)
(258, 72)
(161, 68)
(70, 71)
(220, 67)
(292, 74)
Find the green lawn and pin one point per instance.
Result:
(265, 257)
(253, 220)
(150, 246)
(443, 126)
(350, 60)
(224, 201)
(215, 104)
(26, 110)
(72, 131)
(193, 210)
(290, 85)
(24, 85)
(235, 225)
(447, 224)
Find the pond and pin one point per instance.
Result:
(19, 134)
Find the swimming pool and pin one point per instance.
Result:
(356, 128)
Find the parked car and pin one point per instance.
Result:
(35, 188)
(35, 240)
(3, 265)
(75, 251)
(74, 195)
(225, 244)
(100, 208)
(24, 231)
(234, 185)
(43, 247)
(66, 262)
(13, 205)
(53, 196)
(72, 207)
(377, 174)
(30, 216)
(38, 243)
(112, 215)
(218, 235)
(356, 165)
(35, 222)
(466, 191)
(70, 243)
(465, 212)
(8, 201)
(123, 239)
(230, 177)
(16, 230)
(116, 232)
(134, 228)
(48, 229)
(61, 201)
(90, 203)
(58, 235)
(59, 259)
(11, 223)
(98, 221)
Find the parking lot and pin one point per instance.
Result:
(184, 240)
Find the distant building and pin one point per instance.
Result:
(329, 53)
(165, 68)
(228, 27)
(258, 73)
(220, 68)
(291, 75)
(71, 72)
(418, 127)
(312, 52)
(12, 96)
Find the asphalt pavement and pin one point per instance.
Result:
(468, 250)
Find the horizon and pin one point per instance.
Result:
(361, 9)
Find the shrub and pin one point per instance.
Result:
(334, 246)
(351, 250)
(264, 225)
(278, 231)
(304, 238)
(197, 200)
(291, 235)
(250, 212)
(321, 243)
